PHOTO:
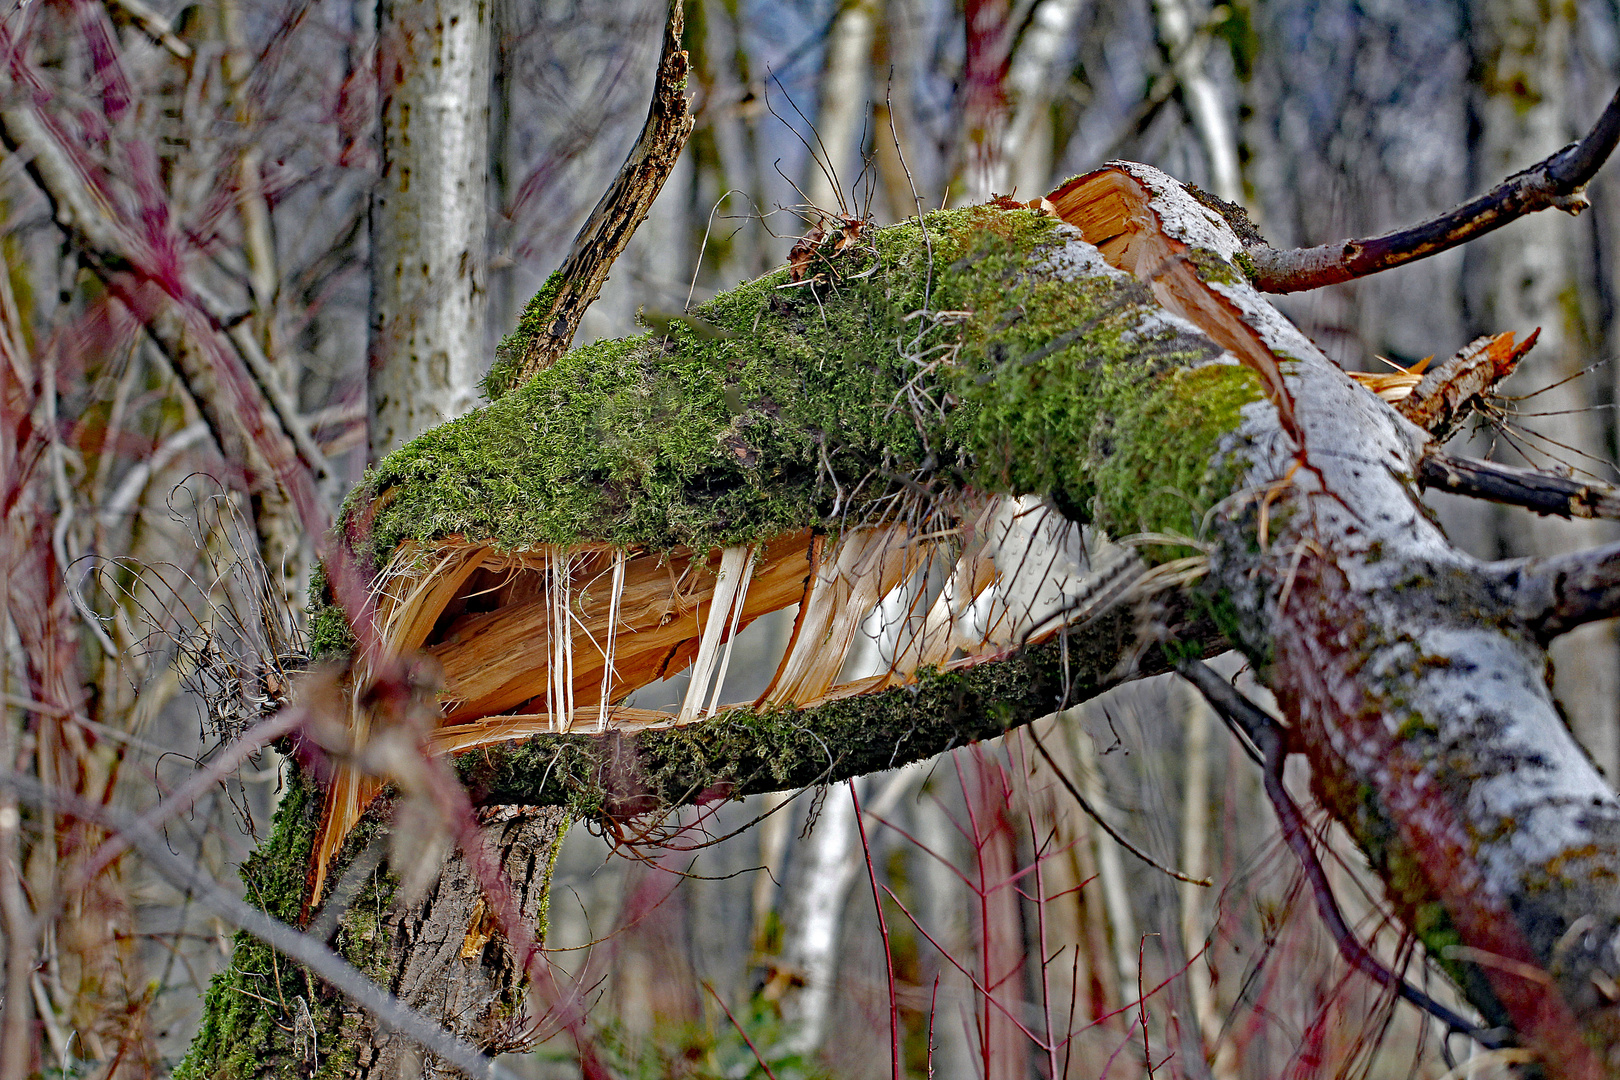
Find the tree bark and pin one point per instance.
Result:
(1141, 385)
(440, 954)
(428, 347)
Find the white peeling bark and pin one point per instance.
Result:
(428, 347)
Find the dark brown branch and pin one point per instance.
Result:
(1270, 738)
(1556, 181)
(1556, 594)
(1542, 492)
(620, 211)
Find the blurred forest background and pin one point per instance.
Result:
(229, 286)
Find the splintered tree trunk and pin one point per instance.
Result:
(944, 402)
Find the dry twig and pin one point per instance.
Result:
(1556, 181)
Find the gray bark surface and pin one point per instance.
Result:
(428, 227)
(446, 959)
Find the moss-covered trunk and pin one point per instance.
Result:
(995, 350)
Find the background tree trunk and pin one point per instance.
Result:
(428, 346)
(1528, 279)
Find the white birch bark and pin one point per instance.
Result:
(428, 216)
(815, 925)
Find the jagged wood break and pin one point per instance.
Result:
(914, 434)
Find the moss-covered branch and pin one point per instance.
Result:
(987, 351)
(746, 752)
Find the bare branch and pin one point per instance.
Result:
(249, 413)
(620, 211)
(186, 876)
(1542, 492)
(1555, 594)
(1556, 181)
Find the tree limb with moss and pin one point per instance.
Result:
(1114, 363)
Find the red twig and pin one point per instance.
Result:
(757, 1056)
(883, 928)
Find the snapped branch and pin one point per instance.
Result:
(1556, 181)
(620, 211)
(1555, 594)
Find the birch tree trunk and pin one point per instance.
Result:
(428, 216)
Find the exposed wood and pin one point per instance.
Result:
(1109, 208)
(622, 208)
(1391, 653)
(1448, 393)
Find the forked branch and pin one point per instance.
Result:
(1556, 181)
(620, 211)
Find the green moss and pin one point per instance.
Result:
(330, 635)
(503, 374)
(240, 1036)
(959, 358)
(1215, 269)
(259, 1011)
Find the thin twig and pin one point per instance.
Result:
(883, 928)
(1269, 736)
(757, 1055)
(190, 879)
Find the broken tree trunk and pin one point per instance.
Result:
(922, 418)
